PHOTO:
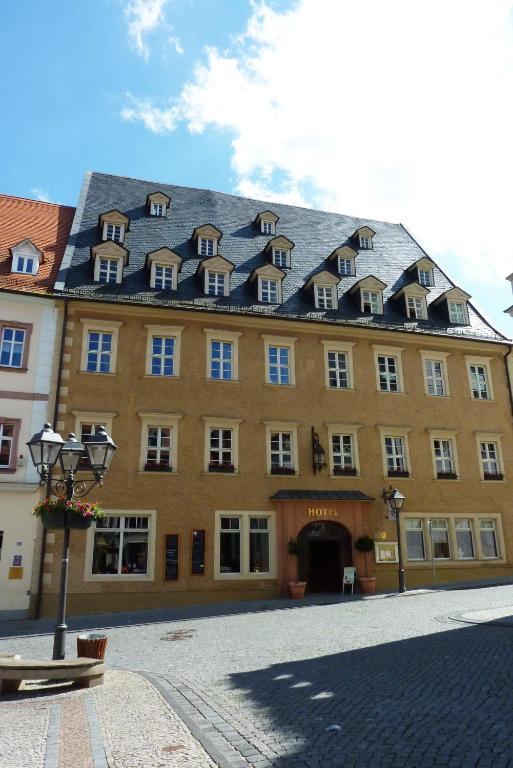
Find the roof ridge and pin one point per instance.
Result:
(38, 202)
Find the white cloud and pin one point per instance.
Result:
(154, 118)
(143, 17)
(394, 110)
(40, 194)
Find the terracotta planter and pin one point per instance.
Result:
(297, 589)
(367, 584)
(55, 520)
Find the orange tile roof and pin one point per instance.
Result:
(47, 226)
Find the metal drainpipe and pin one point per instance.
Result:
(508, 377)
(39, 596)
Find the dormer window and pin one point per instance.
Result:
(365, 242)
(371, 302)
(164, 265)
(206, 246)
(325, 297)
(281, 258)
(267, 222)
(207, 238)
(426, 277)
(456, 301)
(108, 270)
(114, 232)
(413, 297)
(345, 266)
(457, 312)
(280, 249)
(158, 203)
(268, 280)
(422, 271)
(415, 308)
(109, 259)
(215, 283)
(370, 290)
(157, 209)
(363, 238)
(324, 286)
(26, 258)
(344, 260)
(267, 227)
(114, 225)
(215, 272)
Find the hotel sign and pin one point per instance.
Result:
(322, 512)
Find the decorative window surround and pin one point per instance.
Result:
(431, 375)
(479, 378)
(110, 251)
(488, 462)
(265, 277)
(442, 469)
(459, 523)
(103, 326)
(280, 341)
(230, 337)
(422, 271)
(350, 430)
(9, 436)
(324, 286)
(454, 296)
(170, 420)
(151, 514)
(245, 532)
(338, 348)
(267, 221)
(401, 432)
(207, 239)
(387, 352)
(14, 350)
(216, 266)
(214, 422)
(413, 296)
(273, 427)
(278, 246)
(344, 260)
(164, 332)
(114, 225)
(164, 257)
(26, 258)
(91, 421)
(158, 204)
(370, 291)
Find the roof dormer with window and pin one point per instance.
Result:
(164, 266)
(26, 258)
(413, 297)
(422, 270)
(215, 273)
(344, 260)
(207, 238)
(266, 221)
(157, 204)
(455, 301)
(109, 258)
(279, 250)
(363, 237)
(114, 225)
(324, 286)
(369, 293)
(268, 282)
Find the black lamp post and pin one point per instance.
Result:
(46, 448)
(394, 499)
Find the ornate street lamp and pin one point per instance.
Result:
(46, 448)
(394, 500)
(318, 454)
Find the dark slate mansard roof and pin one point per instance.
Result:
(316, 234)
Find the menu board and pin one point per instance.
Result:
(198, 552)
(172, 557)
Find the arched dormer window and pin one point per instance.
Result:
(279, 250)
(268, 282)
(157, 204)
(207, 238)
(422, 270)
(324, 287)
(164, 265)
(215, 273)
(413, 297)
(109, 258)
(344, 260)
(114, 226)
(363, 237)
(26, 258)
(267, 221)
(369, 293)
(455, 301)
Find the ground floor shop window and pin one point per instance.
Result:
(121, 545)
(464, 539)
(440, 539)
(415, 538)
(244, 544)
(453, 538)
(488, 534)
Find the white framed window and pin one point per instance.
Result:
(121, 546)
(113, 232)
(222, 354)
(158, 209)
(245, 545)
(365, 242)
(207, 246)
(25, 265)
(164, 276)
(415, 543)
(281, 448)
(12, 347)
(479, 378)
(25, 258)
(343, 449)
(269, 291)
(444, 452)
(371, 302)
(346, 266)
(435, 373)
(108, 270)
(426, 277)
(488, 539)
(99, 345)
(8, 442)
(416, 307)
(388, 364)
(457, 312)
(395, 450)
(221, 445)
(325, 296)
(489, 448)
(163, 348)
(215, 283)
(464, 538)
(164, 265)
(87, 424)
(338, 364)
(440, 539)
(281, 258)
(279, 360)
(159, 442)
(267, 227)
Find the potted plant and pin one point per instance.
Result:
(278, 469)
(297, 588)
(368, 583)
(223, 466)
(60, 513)
(349, 471)
(157, 466)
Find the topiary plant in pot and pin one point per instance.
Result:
(297, 588)
(367, 583)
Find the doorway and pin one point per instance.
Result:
(327, 552)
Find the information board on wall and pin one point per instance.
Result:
(172, 557)
(198, 552)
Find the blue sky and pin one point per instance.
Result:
(392, 111)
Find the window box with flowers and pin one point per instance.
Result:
(398, 473)
(226, 467)
(157, 466)
(59, 513)
(345, 471)
(277, 469)
(493, 476)
(446, 476)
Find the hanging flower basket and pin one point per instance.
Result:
(59, 513)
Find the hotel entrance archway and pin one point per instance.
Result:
(327, 551)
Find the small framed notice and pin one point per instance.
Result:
(386, 552)
(172, 557)
(198, 552)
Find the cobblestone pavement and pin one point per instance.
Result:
(415, 681)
